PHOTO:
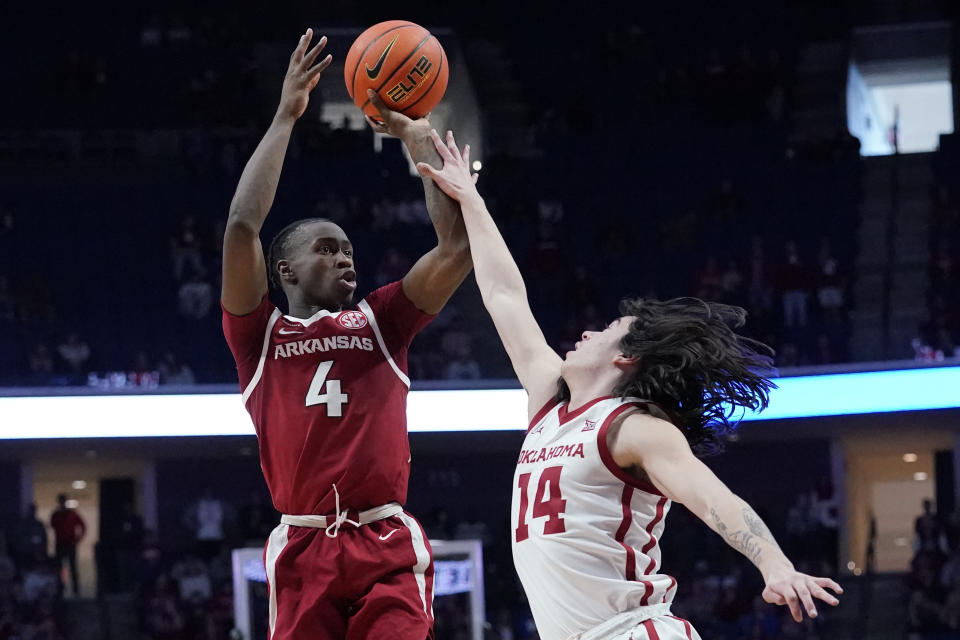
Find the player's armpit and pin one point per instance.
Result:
(660, 449)
(244, 269)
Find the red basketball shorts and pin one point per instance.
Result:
(373, 581)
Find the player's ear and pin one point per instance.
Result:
(286, 271)
(625, 362)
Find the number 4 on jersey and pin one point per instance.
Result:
(553, 507)
(332, 397)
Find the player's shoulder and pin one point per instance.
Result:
(648, 429)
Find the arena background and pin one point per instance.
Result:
(796, 158)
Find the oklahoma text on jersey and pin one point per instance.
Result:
(584, 531)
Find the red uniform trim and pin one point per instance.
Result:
(673, 583)
(567, 416)
(686, 626)
(607, 457)
(625, 498)
(653, 541)
(651, 630)
(542, 413)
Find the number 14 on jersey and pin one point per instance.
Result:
(552, 508)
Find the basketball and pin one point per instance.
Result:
(403, 62)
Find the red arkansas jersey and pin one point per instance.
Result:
(328, 398)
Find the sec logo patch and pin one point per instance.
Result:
(352, 320)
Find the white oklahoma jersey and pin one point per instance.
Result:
(585, 532)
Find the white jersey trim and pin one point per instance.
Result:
(263, 356)
(306, 322)
(423, 562)
(367, 311)
(275, 546)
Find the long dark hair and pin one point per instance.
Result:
(693, 366)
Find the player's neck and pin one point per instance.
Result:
(587, 385)
(300, 308)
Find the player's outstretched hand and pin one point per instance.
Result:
(797, 590)
(302, 76)
(454, 179)
(393, 123)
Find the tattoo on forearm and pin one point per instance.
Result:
(743, 541)
(756, 525)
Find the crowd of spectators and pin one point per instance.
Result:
(934, 578)
(31, 592)
(939, 337)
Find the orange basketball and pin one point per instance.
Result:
(402, 62)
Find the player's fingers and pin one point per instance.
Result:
(318, 68)
(818, 592)
(466, 155)
(427, 171)
(379, 104)
(297, 54)
(376, 126)
(441, 147)
(476, 177)
(311, 55)
(806, 599)
(452, 146)
(793, 603)
(771, 596)
(827, 583)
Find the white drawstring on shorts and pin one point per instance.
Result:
(339, 517)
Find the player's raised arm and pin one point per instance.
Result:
(501, 285)
(244, 270)
(660, 450)
(435, 276)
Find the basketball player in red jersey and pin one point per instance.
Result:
(611, 444)
(326, 387)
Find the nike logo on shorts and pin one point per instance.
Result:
(373, 73)
(389, 534)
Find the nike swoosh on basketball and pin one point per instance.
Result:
(284, 332)
(389, 534)
(373, 73)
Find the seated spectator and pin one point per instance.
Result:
(172, 371)
(193, 579)
(162, 616)
(195, 296)
(74, 353)
(185, 248)
(40, 360)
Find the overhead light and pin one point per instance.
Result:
(851, 565)
(920, 476)
(909, 457)
(79, 485)
(477, 165)
(72, 503)
(857, 571)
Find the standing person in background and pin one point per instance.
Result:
(68, 529)
(610, 444)
(326, 387)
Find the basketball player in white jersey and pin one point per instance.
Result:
(610, 444)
